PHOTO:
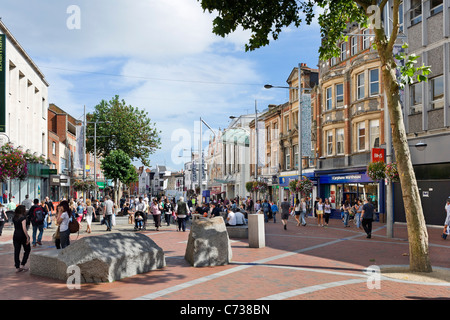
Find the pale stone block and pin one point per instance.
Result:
(256, 231)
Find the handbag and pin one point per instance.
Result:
(56, 234)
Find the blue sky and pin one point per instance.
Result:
(158, 55)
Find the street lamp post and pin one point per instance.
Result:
(95, 150)
(200, 169)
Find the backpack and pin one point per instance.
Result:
(38, 215)
(74, 226)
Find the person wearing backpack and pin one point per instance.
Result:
(36, 216)
(265, 207)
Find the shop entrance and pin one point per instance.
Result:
(350, 196)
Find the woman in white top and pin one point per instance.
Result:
(62, 219)
(89, 213)
(319, 213)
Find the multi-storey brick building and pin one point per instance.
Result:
(289, 129)
(348, 119)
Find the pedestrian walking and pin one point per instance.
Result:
(303, 211)
(308, 206)
(44, 206)
(319, 212)
(367, 217)
(168, 209)
(285, 207)
(51, 208)
(265, 208)
(155, 210)
(315, 206)
(274, 209)
(21, 239)
(63, 216)
(36, 217)
(358, 208)
(182, 212)
(297, 211)
(257, 206)
(90, 212)
(446, 230)
(3, 217)
(346, 214)
(27, 202)
(80, 211)
(108, 206)
(327, 211)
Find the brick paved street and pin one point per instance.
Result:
(300, 263)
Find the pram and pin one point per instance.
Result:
(140, 221)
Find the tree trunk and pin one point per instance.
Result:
(417, 232)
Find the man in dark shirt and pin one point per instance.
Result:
(367, 217)
(215, 211)
(285, 207)
(36, 225)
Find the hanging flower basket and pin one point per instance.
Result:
(80, 185)
(262, 187)
(376, 170)
(13, 164)
(257, 186)
(303, 186)
(392, 172)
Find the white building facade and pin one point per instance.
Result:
(23, 112)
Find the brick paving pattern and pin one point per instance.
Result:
(300, 263)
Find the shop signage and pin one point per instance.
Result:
(378, 154)
(284, 180)
(345, 178)
(46, 172)
(54, 180)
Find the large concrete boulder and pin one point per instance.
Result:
(208, 243)
(104, 258)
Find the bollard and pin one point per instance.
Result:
(256, 231)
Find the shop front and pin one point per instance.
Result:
(284, 185)
(339, 187)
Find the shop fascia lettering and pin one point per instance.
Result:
(349, 177)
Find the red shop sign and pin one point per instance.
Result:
(378, 154)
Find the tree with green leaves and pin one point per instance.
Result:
(117, 166)
(122, 127)
(266, 18)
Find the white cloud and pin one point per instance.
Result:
(158, 55)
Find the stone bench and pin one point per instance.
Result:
(104, 258)
(240, 232)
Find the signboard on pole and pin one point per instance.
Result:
(378, 154)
